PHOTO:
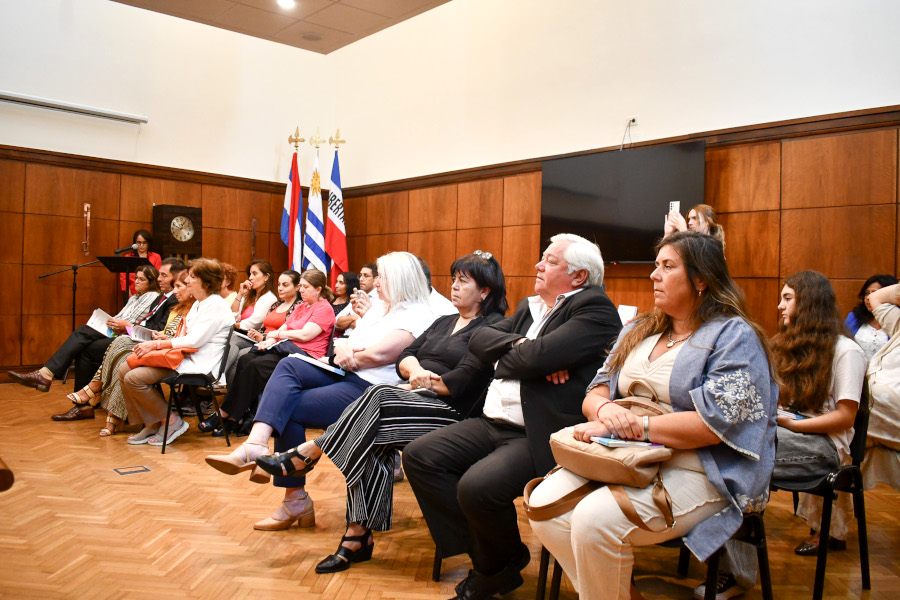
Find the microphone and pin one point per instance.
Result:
(131, 247)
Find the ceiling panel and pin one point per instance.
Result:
(393, 8)
(253, 21)
(302, 8)
(348, 19)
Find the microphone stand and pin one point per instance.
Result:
(74, 269)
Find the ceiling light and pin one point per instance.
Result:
(286, 4)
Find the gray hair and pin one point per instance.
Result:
(582, 254)
(402, 278)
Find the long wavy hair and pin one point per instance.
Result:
(709, 215)
(803, 350)
(704, 259)
(861, 311)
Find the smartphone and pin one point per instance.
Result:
(675, 206)
(425, 392)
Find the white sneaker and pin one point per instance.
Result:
(726, 587)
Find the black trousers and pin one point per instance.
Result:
(87, 347)
(251, 376)
(466, 477)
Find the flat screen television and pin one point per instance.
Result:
(619, 199)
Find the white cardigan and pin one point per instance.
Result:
(206, 327)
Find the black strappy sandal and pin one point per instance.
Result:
(281, 464)
(344, 557)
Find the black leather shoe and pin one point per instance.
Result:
(211, 423)
(807, 549)
(281, 465)
(481, 587)
(344, 557)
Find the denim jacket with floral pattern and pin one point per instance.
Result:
(723, 374)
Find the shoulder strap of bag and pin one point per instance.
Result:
(660, 498)
(638, 382)
(558, 507)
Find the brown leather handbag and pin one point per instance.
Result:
(636, 467)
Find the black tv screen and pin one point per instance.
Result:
(619, 199)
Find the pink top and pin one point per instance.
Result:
(247, 312)
(322, 315)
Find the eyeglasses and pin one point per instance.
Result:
(142, 243)
(484, 255)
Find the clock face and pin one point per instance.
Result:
(182, 228)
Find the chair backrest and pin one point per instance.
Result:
(217, 376)
(860, 427)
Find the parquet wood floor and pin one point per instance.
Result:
(72, 527)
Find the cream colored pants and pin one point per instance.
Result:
(594, 541)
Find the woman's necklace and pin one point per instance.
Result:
(673, 342)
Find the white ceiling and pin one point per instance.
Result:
(321, 26)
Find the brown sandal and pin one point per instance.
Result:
(78, 401)
(112, 425)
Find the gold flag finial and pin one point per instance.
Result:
(295, 139)
(336, 141)
(316, 140)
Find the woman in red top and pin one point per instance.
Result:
(307, 330)
(143, 239)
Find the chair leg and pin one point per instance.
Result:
(796, 501)
(859, 508)
(438, 558)
(824, 535)
(762, 555)
(168, 414)
(215, 402)
(542, 574)
(712, 575)
(555, 581)
(684, 558)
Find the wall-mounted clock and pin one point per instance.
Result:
(177, 230)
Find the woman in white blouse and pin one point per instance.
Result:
(255, 296)
(206, 328)
(301, 395)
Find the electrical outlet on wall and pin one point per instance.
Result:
(633, 121)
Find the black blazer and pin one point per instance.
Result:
(157, 320)
(577, 337)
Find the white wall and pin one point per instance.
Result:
(471, 83)
(217, 101)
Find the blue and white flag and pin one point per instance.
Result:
(314, 241)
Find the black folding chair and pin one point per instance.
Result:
(191, 381)
(846, 478)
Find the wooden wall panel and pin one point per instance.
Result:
(355, 215)
(11, 234)
(762, 301)
(632, 291)
(628, 270)
(744, 178)
(12, 185)
(846, 291)
(480, 204)
(442, 284)
(516, 289)
(52, 240)
(387, 213)
(486, 239)
(139, 194)
(432, 209)
(53, 295)
(276, 253)
(10, 289)
(751, 243)
(522, 199)
(842, 242)
(276, 209)
(51, 190)
(42, 335)
(376, 245)
(521, 250)
(230, 208)
(11, 340)
(840, 170)
(229, 245)
(436, 247)
(356, 252)
(126, 235)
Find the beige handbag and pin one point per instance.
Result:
(636, 467)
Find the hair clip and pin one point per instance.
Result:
(484, 255)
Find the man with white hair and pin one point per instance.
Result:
(466, 476)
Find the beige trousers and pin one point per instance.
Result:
(143, 401)
(594, 541)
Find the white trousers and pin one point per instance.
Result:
(594, 541)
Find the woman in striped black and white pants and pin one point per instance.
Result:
(445, 382)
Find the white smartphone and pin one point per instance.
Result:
(675, 206)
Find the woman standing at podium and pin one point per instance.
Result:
(143, 239)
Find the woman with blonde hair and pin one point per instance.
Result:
(301, 395)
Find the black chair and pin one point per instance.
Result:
(846, 478)
(191, 381)
(751, 531)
